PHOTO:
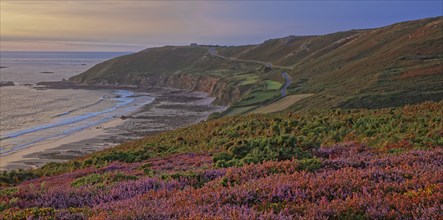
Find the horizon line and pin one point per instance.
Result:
(68, 51)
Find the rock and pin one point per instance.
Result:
(6, 83)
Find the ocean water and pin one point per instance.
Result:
(29, 116)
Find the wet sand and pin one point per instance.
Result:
(170, 110)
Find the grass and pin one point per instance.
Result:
(281, 104)
(257, 97)
(272, 85)
(238, 110)
(247, 79)
(341, 69)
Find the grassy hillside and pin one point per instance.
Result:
(342, 164)
(373, 68)
(151, 61)
(180, 67)
(389, 66)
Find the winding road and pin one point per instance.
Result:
(288, 81)
(213, 52)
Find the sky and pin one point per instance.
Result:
(129, 26)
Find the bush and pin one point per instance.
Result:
(310, 165)
(214, 115)
(256, 150)
(14, 177)
(91, 179)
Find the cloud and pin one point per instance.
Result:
(107, 25)
(142, 22)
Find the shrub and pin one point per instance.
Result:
(89, 180)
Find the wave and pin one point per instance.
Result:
(123, 99)
(64, 133)
(79, 108)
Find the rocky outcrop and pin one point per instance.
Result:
(223, 92)
(6, 83)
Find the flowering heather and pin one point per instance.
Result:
(347, 181)
(378, 164)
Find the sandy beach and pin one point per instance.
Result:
(25, 157)
(171, 109)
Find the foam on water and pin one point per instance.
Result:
(29, 117)
(68, 125)
(122, 101)
(79, 108)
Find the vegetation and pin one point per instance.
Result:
(272, 85)
(281, 104)
(317, 164)
(344, 181)
(374, 68)
(312, 161)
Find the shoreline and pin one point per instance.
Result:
(171, 109)
(29, 156)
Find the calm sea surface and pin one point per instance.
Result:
(29, 116)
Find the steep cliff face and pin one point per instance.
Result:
(224, 93)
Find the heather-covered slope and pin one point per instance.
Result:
(343, 164)
(382, 67)
(344, 182)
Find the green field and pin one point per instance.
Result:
(247, 79)
(257, 97)
(272, 85)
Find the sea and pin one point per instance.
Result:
(30, 115)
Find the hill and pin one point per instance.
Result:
(340, 164)
(344, 145)
(373, 68)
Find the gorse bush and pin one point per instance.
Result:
(256, 150)
(89, 180)
(96, 179)
(12, 177)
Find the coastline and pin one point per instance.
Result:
(171, 109)
(30, 157)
